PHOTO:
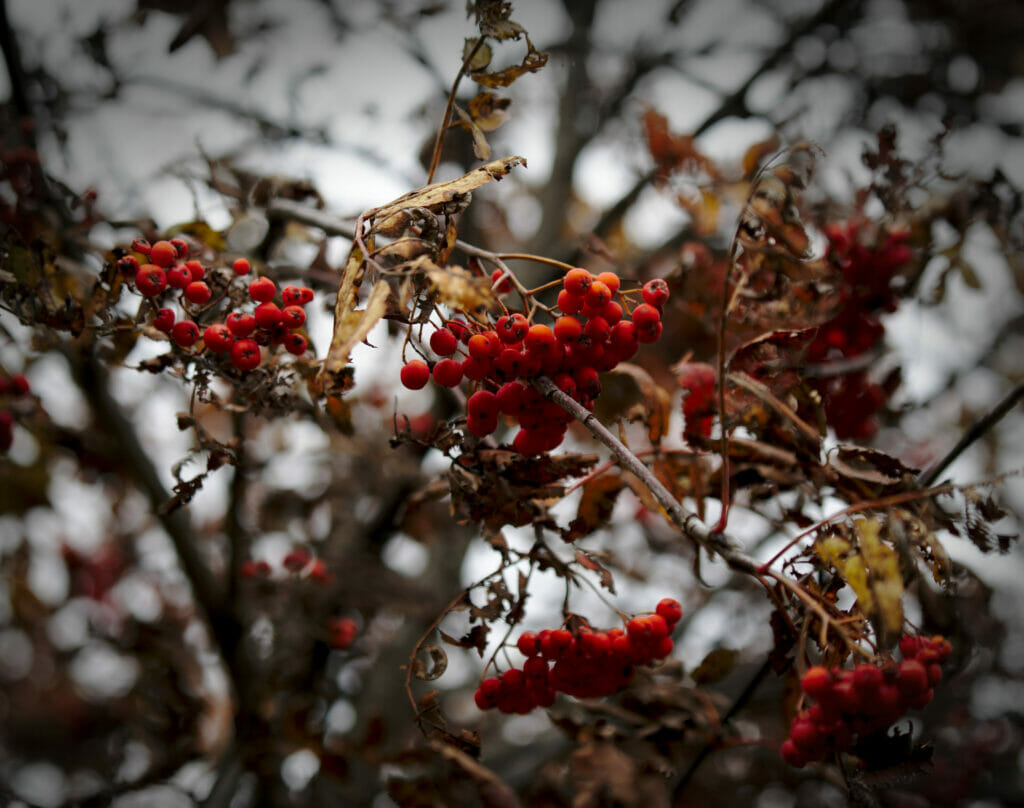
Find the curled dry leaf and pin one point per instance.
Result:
(438, 663)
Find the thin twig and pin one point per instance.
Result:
(436, 156)
(976, 431)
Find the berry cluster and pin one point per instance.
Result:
(241, 334)
(852, 399)
(12, 388)
(298, 562)
(592, 334)
(862, 701)
(584, 664)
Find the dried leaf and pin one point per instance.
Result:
(533, 61)
(438, 660)
(459, 289)
(588, 561)
(715, 666)
(351, 326)
(629, 392)
(488, 110)
(596, 505)
(755, 155)
(481, 148)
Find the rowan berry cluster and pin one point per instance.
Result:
(12, 389)
(592, 334)
(298, 562)
(587, 663)
(698, 382)
(863, 701)
(851, 399)
(241, 334)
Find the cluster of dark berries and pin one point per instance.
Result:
(584, 664)
(298, 562)
(12, 388)
(851, 399)
(863, 701)
(593, 334)
(241, 334)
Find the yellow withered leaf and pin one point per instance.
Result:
(459, 289)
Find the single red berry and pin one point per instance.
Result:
(447, 373)
(816, 682)
(163, 320)
(611, 280)
(670, 609)
(342, 631)
(539, 338)
(295, 344)
(180, 247)
(567, 329)
(443, 342)
(179, 276)
(597, 296)
(296, 559)
(241, 324)
(568, 302)
(485, 345)
(128, 266)
(527, 644)
(262, 290)
(218, 338)
(577, 281)
(415, 374)
(141, 246)
(19, 385)
(245, 354)
(500, 282)
(645, 316)
(483, 404)
(649, 333)
(150, 280)
(267, 315)
(482, 426)
(512, 328)
(597, 329)
(291, 296)
(163, 254)
(912, 678)
(198, 293)
(655, 292)
(460, 330)
(293, 316)
(792, 754)
(196, 268)
(185, 333)
(241, 266)
(306, 295)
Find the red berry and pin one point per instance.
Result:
(342, 630)
(512, 328)
(597, 296)
(655, 292)
(180, 247)
(150, 280)
(577, 281)
(163, 320)
(816, 682)
(262, 290)
(185, 333)
(241, 266)
(415, 374)
(482, 404)
(218, 338)
(912, 678)
(567, 329)
(611, 280)
(141, 246)
(447, 373)
(500, 282)
(128, 266)
(293, 316)
(241, 324)
(670, 609)
(178, 277)
(196, 268)
(568, 302)
(484, 346)
(291, 296)
(443, 342)
(527, 644)
(792, 754)
(306, 295)
(163, 254)
(245, 354)
(267, 315)
(295, 344)
(646, 316)
(198, 292)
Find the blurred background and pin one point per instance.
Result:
(122, 686)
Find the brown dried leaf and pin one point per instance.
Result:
(533, 61)
(629, 392)
(588, 561)
(459, 289)
(755, 155)
(439, 663)
(488, 110)
(351, 326)
(596, 505)
(481, 148)
(715, 666)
